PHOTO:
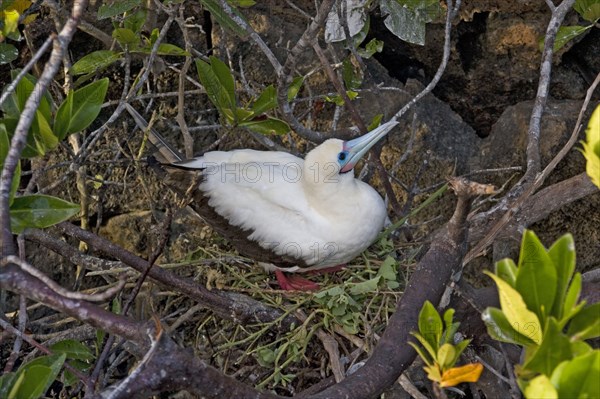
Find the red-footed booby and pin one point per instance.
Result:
(290, 214)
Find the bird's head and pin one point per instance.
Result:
(331, 161)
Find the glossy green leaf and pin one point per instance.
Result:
(507, 271)
(69, 379)
(407, 18)
(572, 297)
(430, 324)
(39, 211)
(80, 108)
(267, 126)
(586, 323)
(554, 349)
(580, 348)
(294, 88)
(515, 310)
(588, 9)
(223, 19)
(567, 33)
(217, 94)
(8, 53)
(95, 61)
(578, 378)
(73, 349)
(113, 8)
(126, 37)
(266, 101)
(225, 78)
(500, 329)
(39, 374)
(15, 103)
(459, 349)
(562, 253)
(536, 278)
(540, 387)
(43, 132)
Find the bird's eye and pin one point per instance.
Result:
(342, 156)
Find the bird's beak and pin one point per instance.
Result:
(359, 146)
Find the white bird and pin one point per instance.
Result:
(290, 214)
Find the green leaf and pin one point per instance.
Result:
(562, 253)
(95, 61)
(217, 93)
(422, 354)
(295, 87)
(387, 270)
(515, 310)
(588, 9)
(459, 348)
(578, 378)
(564, 35)
(554, 349)
(135, 21)
(432, 352)
(243, 3)
(72, 349)
(43, 132)
(267, 126)
(445, 356)
(430, 325)
(126, 37)
(69, 379)
(591, 147)
(116, 7)
(266, 101)
(31, 147)
(39, 211)
(374, 46)
(540, 387)
(586, 323)
(225, 78)
(536, 278)
(171, 49)
(500, 329)
(39, 374)
(7, 383)
(365, 287)
(223, 19)
(15, 103)
(352, 78)
(80, 108)
(8, 53)
(572, 297)
(507, 271)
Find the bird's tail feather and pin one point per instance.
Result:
(165, 153)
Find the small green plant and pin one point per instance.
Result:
(540, 311)
(34, 378)
(438, 350)
(12, 13)
(75, 113)
(343, 303)
(220, 88)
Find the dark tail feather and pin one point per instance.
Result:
(165, 153)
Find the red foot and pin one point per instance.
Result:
(294, 282)
(327, 269)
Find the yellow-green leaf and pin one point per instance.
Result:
(456, 375)
(521, 319)
(591, 147)
(446, 355)
(540, 387)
